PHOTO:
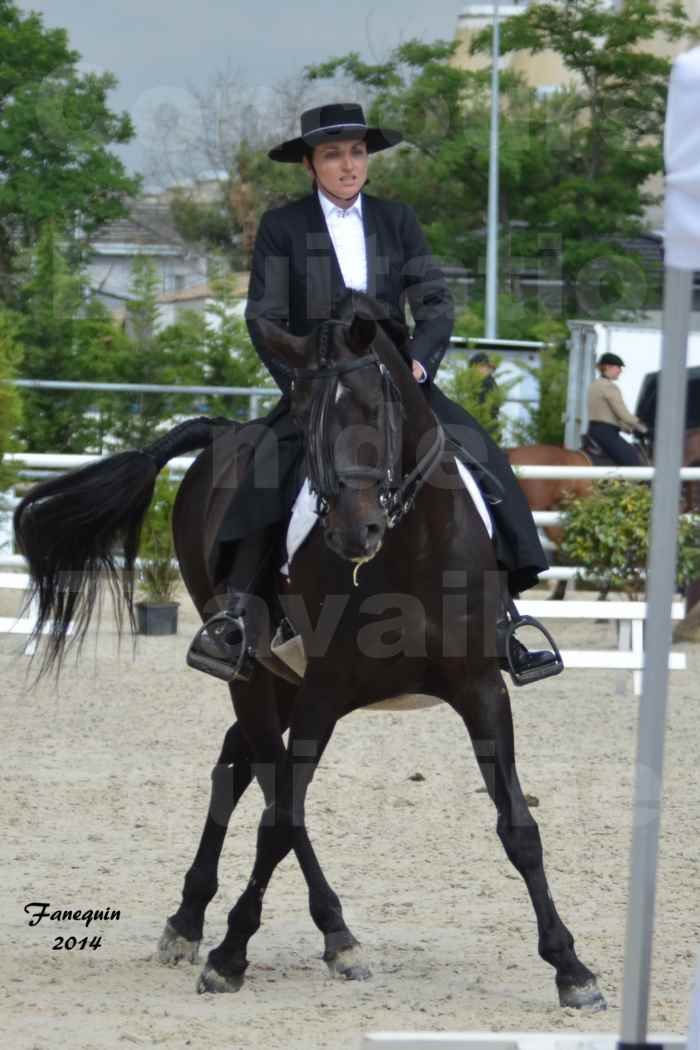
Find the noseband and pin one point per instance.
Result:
(396, 494)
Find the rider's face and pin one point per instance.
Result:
(341, 169)
(612, 371)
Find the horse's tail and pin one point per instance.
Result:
(74, 529)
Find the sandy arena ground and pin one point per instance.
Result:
(106, 785)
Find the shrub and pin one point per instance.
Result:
(607, 534)
(464, 387)
(158, 574)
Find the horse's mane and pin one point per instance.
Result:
(319, 445)
(359, 304)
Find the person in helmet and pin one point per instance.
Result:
(608, 414)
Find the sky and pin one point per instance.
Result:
(160, 49)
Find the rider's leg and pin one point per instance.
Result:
(523, 664)
(620, 451)
(225, 645)
(517, 546)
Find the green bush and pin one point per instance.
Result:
(527, 320)
(546, 419)
(464, 387)
(10, 403)
(607, 534)
(158, 574)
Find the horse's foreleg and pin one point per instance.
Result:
(342, 953)
(485, 708)
(230, 778)
(227, 963)
(285, 777)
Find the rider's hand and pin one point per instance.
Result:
(419, 373)
(642, 428)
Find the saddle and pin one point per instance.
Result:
(595, 452)
(600, 458)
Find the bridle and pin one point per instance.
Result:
(397, 492)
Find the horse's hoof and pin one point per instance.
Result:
(348, 963)
(583, 997)
(172, 947)
(210, 980)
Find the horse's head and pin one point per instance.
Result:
(347, 401)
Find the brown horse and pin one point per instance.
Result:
(691, 458)
(548, 493)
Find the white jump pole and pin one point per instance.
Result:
(682, 248)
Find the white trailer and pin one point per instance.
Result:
(639, 346)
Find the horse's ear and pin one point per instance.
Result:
(291, 349)
(362, 333)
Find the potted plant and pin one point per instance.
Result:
(158, 574)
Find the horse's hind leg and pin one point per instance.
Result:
(230, 777)
(485, 708)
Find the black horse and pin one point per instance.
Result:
(399, 534)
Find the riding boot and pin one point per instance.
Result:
(225, 646)
(523, 665)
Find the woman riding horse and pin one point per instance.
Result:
(307, 256)
(608, 414)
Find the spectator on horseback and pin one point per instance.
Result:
(608, 414)
(308, 255)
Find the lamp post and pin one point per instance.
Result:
(492, 227)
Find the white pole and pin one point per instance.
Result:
(492, 230)
(661, 577)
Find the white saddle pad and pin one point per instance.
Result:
(304, 515)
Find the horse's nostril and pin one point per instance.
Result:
(374, 531)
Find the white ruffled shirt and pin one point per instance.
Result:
(348, 236)
(347, 233)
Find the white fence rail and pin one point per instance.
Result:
(630, 616)
(50, 461)
(58, 461)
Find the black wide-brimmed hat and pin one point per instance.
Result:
(611, 359)
(339, 121)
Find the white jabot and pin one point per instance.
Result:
(682, 150)
(348, 236)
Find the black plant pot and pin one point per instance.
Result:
(157, 617)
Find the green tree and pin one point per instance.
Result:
(574, 165)
(10, 404)
(64, 337)
(546, 419)
(218, 352)
(147, 356)
(604, 133)
(56, 128)
(230, 359)
(229, 224)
